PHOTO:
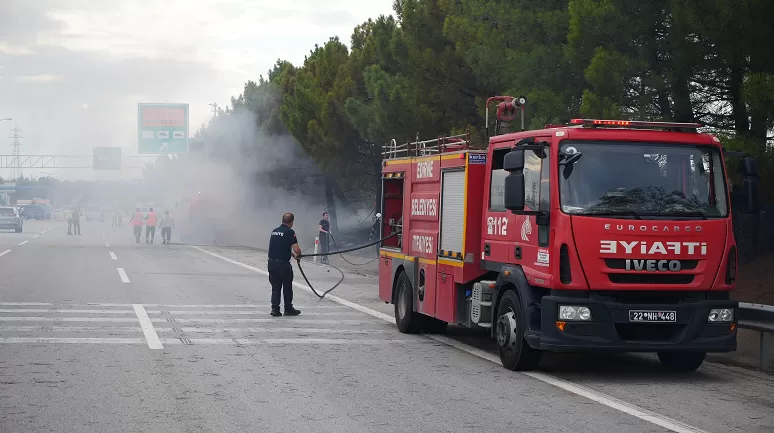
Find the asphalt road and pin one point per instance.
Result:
(98, 333)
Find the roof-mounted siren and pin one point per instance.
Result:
(635, 124)
(507, 109)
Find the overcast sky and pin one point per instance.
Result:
(73, 71)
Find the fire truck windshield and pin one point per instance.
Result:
(635, 179)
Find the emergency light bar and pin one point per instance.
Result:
(635, 124)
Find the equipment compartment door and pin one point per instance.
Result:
(426, 287)
(446, 303)
(385, 278)
(452, 213)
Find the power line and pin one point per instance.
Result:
(16, 172)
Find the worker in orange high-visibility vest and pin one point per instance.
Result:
(150, 226)
(136, 223)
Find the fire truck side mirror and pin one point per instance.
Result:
(513, 189)
(514, 160)
(750, 185)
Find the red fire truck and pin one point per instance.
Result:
(600, 235)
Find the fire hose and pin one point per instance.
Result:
(341, 280)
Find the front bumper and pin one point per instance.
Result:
(610, 329)
(9, 226)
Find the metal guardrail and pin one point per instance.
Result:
(759, 317)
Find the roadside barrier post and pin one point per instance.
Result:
(316, 247)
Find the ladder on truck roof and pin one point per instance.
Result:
(442, 144)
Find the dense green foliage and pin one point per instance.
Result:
(428, 70)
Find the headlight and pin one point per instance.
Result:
(721, 315)
(574, 313)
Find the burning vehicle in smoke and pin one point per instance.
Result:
(199, 219)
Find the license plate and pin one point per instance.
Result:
(652, 316)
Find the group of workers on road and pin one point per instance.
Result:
(150, 220)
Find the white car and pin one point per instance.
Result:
(10, 219)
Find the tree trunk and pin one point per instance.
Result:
(741, 119)
(331, 204)
(682, 71)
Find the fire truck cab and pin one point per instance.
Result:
(600, 235)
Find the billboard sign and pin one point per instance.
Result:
(162, 128)
(107, 158)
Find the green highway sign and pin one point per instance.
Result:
(107, 158)
(162, 128)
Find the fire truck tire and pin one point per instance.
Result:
(682, 361)
(515, 353)
(408, 321)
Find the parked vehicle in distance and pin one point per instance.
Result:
(49, 211)
(94, 212)
(10, 219)
(33, 211)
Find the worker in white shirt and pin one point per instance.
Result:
(166, 227)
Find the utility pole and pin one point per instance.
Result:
(16, 172)
(214, 106)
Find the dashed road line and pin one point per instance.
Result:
(606, 400)
(23, 243)
(113, 256)
(5, 252)
(36, 236)
(107, 244)
(122, 274)
(147, 328)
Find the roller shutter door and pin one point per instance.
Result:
(452, 210)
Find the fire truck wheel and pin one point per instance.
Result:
(682, 361)
(408, 321)
(515, 353)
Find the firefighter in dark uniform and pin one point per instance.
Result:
(325, 231)
(283, 244)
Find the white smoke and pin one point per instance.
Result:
(252, 178)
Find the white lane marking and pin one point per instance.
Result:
(113, 256)
(23, 243)
(99, 304)
(36, 236)
(37, 340)
(248, 313)
(230, 306)
(604, 399)
(107, 244)
(147, 328)
(155, 312)
(206, 330)
(122, 274)
(26, 303)
(36, 310)
(287, 320)
(5, 252)
(69, 319)
(71, 328)
(285, 341)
